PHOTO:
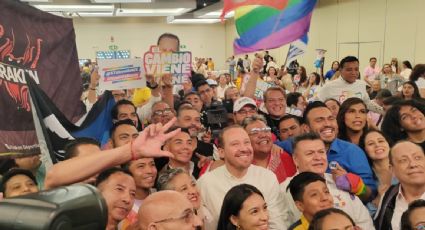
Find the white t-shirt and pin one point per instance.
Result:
(215, 184)
(341, 90)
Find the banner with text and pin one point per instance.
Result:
(158, 63)
(121, 74)
(41, 46)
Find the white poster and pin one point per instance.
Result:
(121, 74)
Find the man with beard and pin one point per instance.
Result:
(350, 158)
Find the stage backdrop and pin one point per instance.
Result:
(41, 46)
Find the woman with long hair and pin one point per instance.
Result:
(331, 72)
(389, 80)
(410, 91)
(300, 79)
(418, 76)
(313, 84)
(377, 148)
(352, 120)
(406, 70)
(243, 208)
(405, 120)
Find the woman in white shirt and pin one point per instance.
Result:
(406, 70)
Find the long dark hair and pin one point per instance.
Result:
(362, 145)
(317, 221)
(416, 94)
(345, 106)
(417, 72)
(391, 125)
(232, 204)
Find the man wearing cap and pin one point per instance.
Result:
(213, 84)
(242, 108)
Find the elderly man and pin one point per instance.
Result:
(408, 162)
(236, 150)
(168, 210)
(310, 156)
(260, 135)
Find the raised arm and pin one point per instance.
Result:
(257, 66)
(147, 144)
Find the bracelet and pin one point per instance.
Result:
(133, 156)
(92, 88)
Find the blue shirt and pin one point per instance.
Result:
(350, 156)
(329, 74)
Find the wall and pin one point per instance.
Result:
(137, 34)
(364, 28)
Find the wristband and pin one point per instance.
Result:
(133, 156)
(92, 88)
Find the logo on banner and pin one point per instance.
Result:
(158, 63)
(15, 64)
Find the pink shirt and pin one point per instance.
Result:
(370, 73)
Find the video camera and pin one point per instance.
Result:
(216, 118)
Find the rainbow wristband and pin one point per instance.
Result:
(357, 185)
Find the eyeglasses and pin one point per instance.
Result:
(187, 216)
(420, 226)
(255, 131)
(162, 112)
(246, 112)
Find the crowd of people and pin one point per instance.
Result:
(315, 151)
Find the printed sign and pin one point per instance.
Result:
(262, 86)
(121, 74)
(158, 63)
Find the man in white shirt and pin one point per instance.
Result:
(235, 147)
(408, 164)
(310, 156)
(348, 85)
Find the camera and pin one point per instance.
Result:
(216, 115)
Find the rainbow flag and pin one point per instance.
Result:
(261, 27)
(230, 5)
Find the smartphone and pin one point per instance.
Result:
(332, 164)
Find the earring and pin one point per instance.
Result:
(238, 227)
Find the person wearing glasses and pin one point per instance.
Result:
(161, 113)
(414, 217)
(407, 160)
(168, 210)
(242, 108)
(260, 134)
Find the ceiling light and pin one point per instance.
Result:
(75, 8)
(217, 14)
(152, 12)
(173, 20)
(121, 1)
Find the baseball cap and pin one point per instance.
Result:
(212, 82)
(241, 102)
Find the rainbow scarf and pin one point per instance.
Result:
(261, 27)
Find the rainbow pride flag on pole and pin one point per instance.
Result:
(261, 27)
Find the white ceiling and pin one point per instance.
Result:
(175, 11)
